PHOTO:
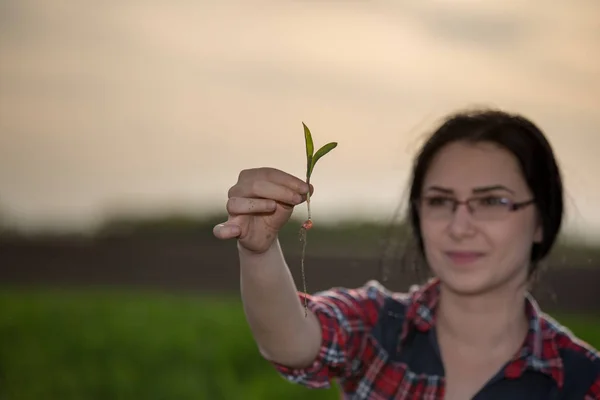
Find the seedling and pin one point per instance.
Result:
(311, 160)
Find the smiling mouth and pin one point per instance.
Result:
(464, 257)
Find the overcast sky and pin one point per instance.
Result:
(153, 105)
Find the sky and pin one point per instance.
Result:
(151, 106)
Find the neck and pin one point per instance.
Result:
(490, 320)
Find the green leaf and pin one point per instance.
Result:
(320, 153)
(309, 142)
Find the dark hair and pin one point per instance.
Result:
(525, 141)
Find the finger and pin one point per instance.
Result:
(226, 231)
(242, 205)
(276, 176)
(285, 179)
(266, 190)
(312, 191)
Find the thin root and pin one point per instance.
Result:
(306, 226)
(303, 238)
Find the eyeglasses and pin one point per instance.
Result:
(487, 208)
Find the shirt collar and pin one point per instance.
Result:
(539, 352)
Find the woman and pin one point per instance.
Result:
(486, 205)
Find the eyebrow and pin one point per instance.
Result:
(478, 190)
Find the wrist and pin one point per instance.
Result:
(245, 252)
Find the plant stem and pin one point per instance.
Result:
(308, 204)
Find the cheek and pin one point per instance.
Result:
(432, 234)
(523, 228)
(427, 230)
(514, 239)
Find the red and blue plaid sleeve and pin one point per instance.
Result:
(346, 317)
(594, 390)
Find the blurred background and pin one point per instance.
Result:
(123, 125)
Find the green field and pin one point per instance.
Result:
(115, 345)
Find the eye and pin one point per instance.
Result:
(438, 201)
(493, 201)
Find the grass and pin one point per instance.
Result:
(59, 345)
(114, 345)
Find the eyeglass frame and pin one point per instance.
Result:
(512, 206)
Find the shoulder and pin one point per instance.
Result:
(570, 344)
(580, 360)
(347, 316)
(365, 302)
(370, 293)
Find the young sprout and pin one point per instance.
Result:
(311, 160)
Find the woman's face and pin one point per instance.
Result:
(474, 252)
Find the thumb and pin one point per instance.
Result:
(226, 231)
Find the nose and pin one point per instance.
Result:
(461, 222)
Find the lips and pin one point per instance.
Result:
(464, 257)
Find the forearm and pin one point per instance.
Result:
(274, 311)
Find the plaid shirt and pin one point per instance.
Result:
(381, 345)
